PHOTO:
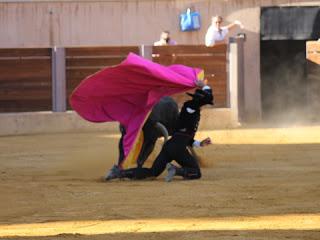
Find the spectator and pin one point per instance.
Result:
(216, 34)
(165, 40)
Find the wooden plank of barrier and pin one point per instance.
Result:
(25, 106)
(219, 91)
(80, 73)
(20, 77)
(18, 63)
(218, 75)
(189, 49)
(217, 78)
(188, 58)
(25, 79)
(194, 58)
(21, 66)
(79, 62)
(24, 85)
(72, 85)
(22, 94)
(31, 64)
(99, 51)
(25, 68)
(26, 73)
(217, 82)
(190, 62)
(73, 81)
(24, 52)
(211, 70)
(85, 61)
(212, 60)
(214, 69)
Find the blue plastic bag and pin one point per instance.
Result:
(189, 21)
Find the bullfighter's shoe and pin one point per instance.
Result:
(113, 173)
(172, 169)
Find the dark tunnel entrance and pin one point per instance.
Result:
(284, 82)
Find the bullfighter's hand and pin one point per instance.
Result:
(205, 142)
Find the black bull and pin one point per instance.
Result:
(160, 123)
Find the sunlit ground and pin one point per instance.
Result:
(289, 135)
(257, 181)
(284, 222)
(284, 135)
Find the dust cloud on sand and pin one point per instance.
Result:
(289, 83)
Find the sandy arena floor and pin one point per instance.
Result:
(259, 183)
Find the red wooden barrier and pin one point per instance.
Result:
(213, 60)
(25, 79)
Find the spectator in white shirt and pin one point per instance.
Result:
(216, 34)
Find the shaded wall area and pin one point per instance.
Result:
(285, 87)
(290, 23)
(283, 80)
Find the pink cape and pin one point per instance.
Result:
(127, 92)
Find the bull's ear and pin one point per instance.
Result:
(163, 130)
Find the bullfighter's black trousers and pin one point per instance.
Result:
(173, 149)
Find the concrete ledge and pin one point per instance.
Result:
(49, 122)
(217, 118)
(52, 122)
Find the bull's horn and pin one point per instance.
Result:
(163, 130)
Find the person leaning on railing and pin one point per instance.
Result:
(216, 34)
